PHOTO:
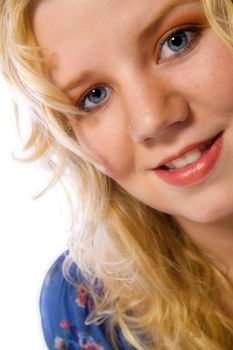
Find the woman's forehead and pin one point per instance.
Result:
(67, 14)
(74, 30)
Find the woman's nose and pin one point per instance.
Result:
(152, 111)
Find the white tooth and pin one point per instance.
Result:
(193, 156)
(170, 166)
(178, 163)
(187, 159)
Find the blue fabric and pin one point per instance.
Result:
(64, 308)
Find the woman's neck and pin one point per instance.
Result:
(215, 239)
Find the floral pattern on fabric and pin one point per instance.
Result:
(65, 307)
(74, 340)
(81, 296)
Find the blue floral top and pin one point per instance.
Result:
(64, 308)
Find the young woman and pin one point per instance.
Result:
(133, 102)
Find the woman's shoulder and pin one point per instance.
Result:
(65, 306)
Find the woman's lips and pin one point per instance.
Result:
(186, 150)
(194, 172)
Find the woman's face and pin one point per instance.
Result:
(157, 85)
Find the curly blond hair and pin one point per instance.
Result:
(160, 289)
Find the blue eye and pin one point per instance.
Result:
(93, 98)
(178, 41)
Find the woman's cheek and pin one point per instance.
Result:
(110, 146)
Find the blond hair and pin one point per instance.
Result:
(161, 291)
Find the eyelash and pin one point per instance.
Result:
(196, 30)
(81, 102)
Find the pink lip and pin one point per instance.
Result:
(195, 171)
(180, 154)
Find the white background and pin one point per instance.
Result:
(32, 235)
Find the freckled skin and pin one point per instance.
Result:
(169, 103)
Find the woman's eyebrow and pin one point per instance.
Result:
(77, 81)
(155, 24)
(145, 33)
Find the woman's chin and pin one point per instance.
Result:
(207, 216)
